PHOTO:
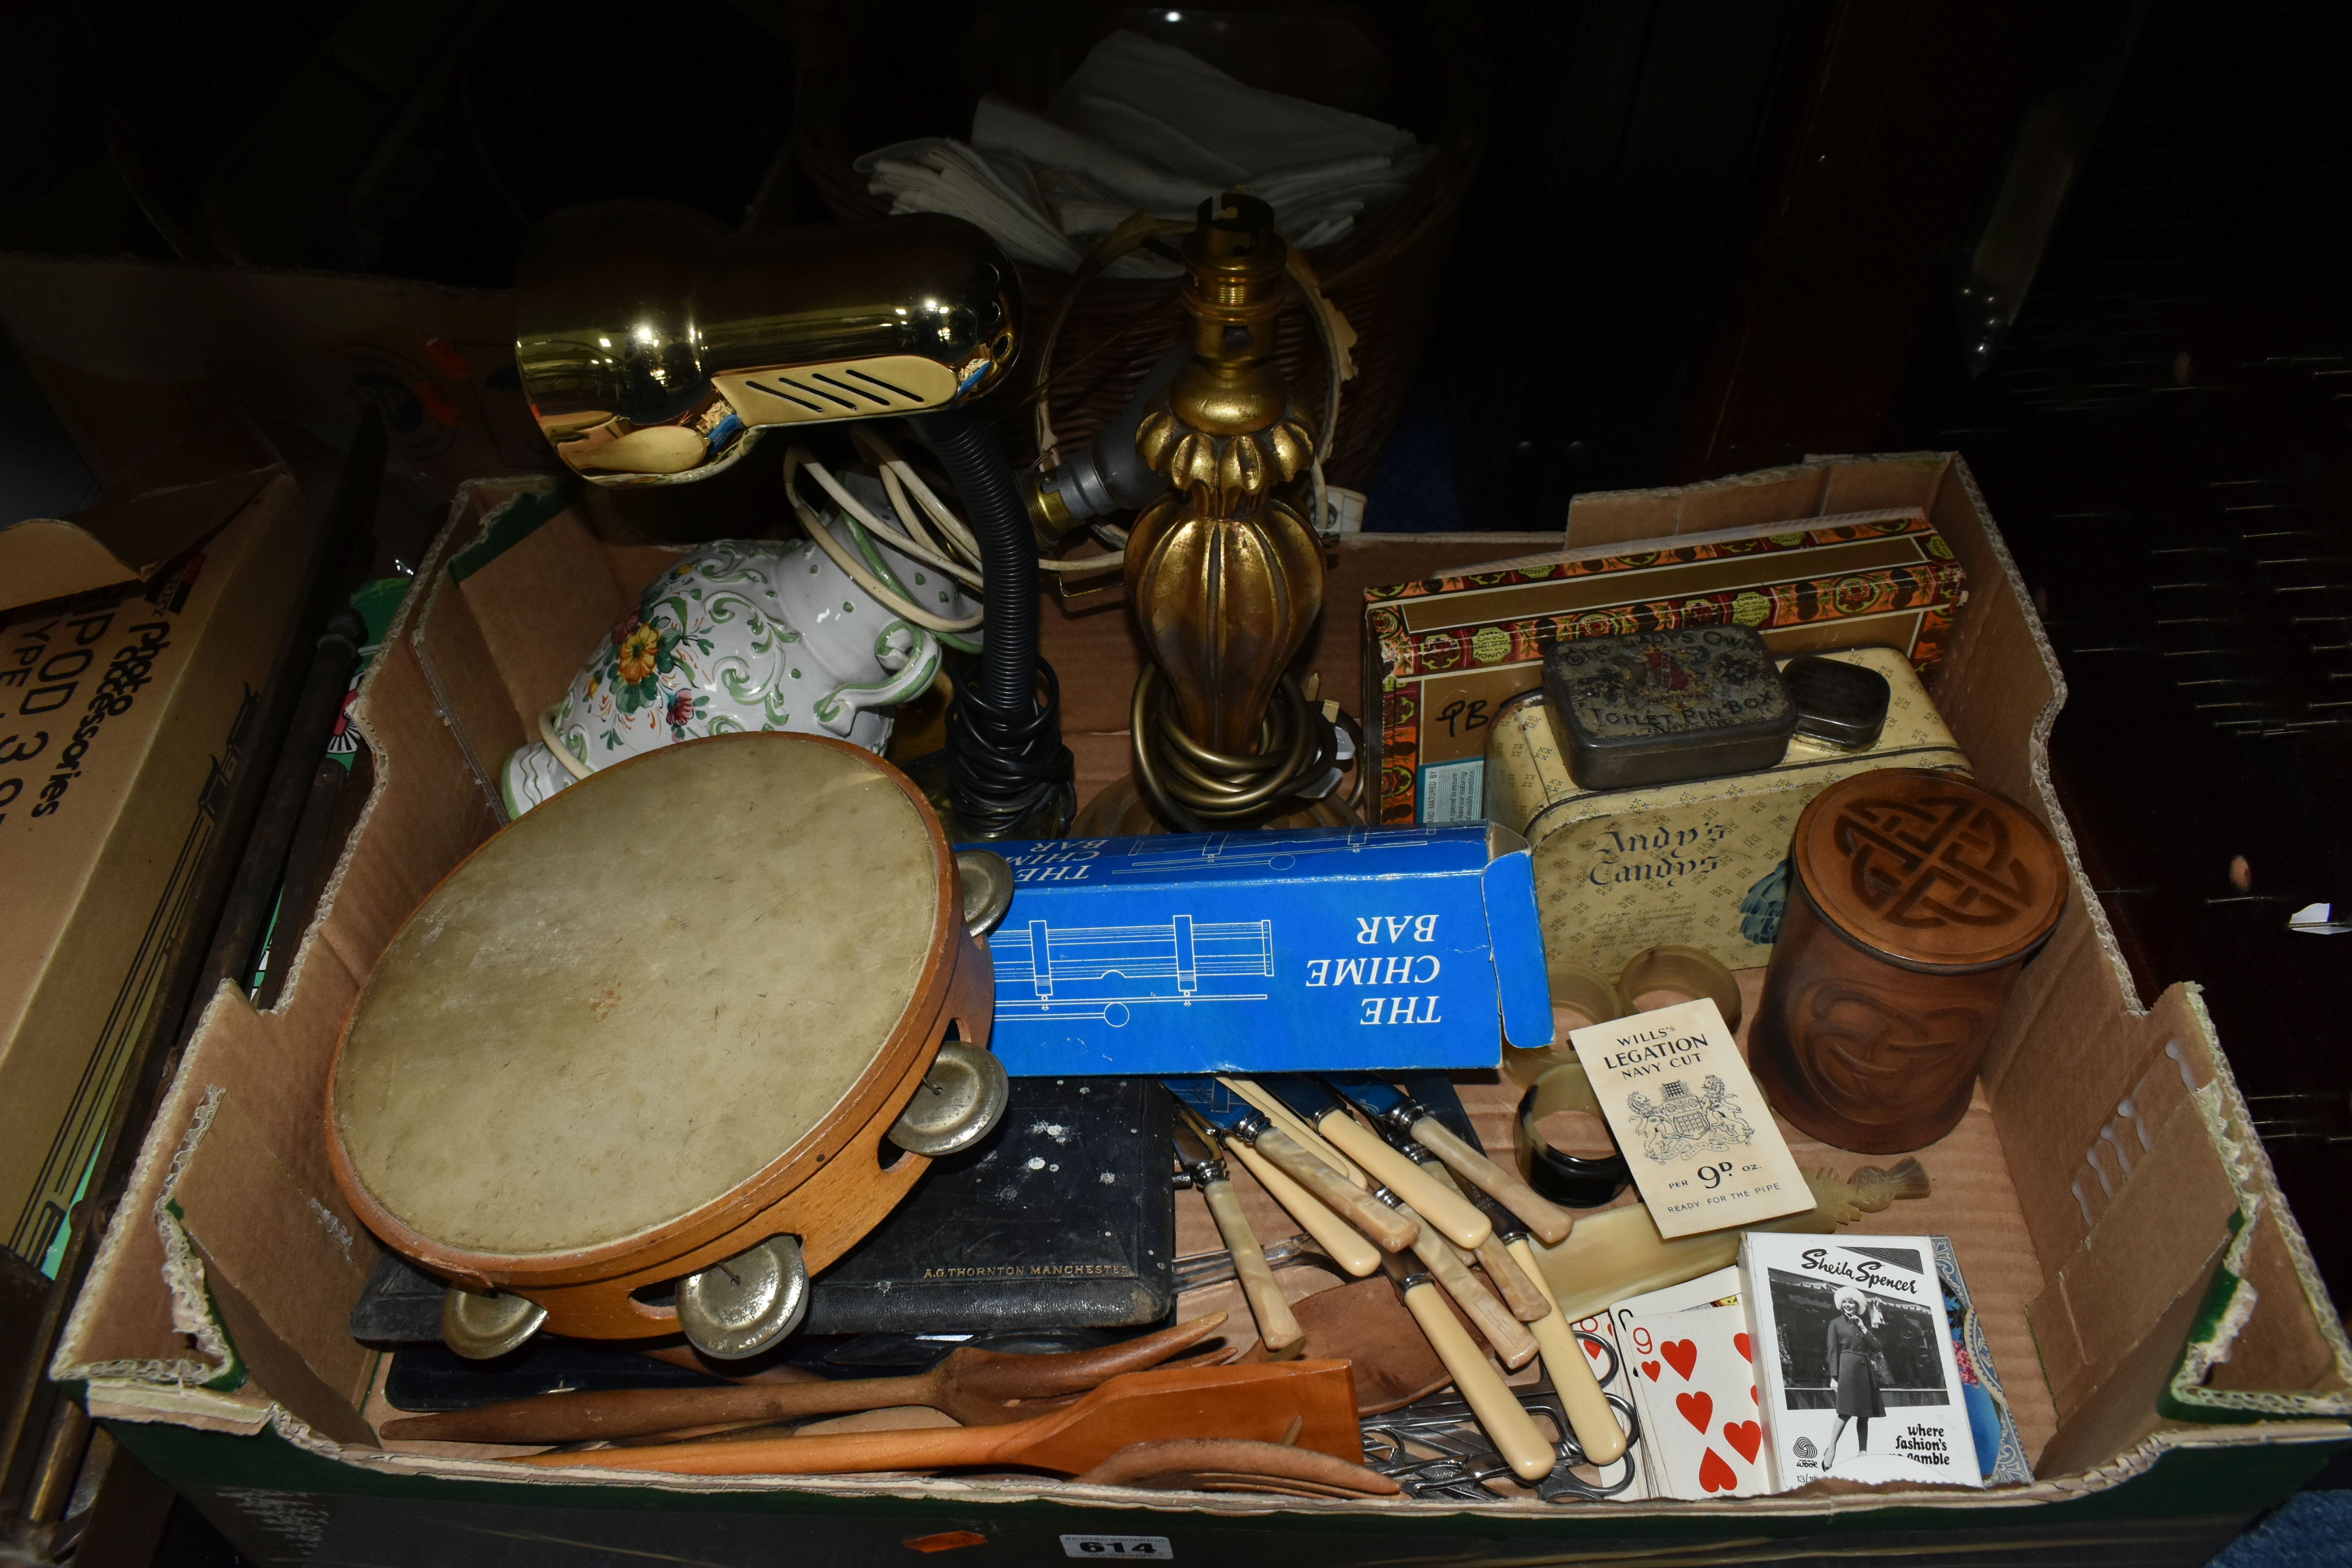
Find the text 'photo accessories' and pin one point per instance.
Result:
(604, 1123)
(1914, 901)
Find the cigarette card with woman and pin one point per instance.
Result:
(1854, 1368)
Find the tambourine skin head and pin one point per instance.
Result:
(670, 1013)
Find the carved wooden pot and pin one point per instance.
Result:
(1914, 900)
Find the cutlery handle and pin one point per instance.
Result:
(1450, 1212)
(1511, 1281)
(1510, 1339)
(1547, 1219)
(1342, 1243)
(632, 1412)
(1506, 1421)
(1258, 1098)
(1391, 1230)
(1277, 1326)
(1503, 1270)
(1588, 1415)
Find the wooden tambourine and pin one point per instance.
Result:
(650, 1056)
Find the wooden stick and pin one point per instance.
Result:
(1247, 1402)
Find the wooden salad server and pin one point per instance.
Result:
(1315, 1399)
(972, 1385)
(1364, 1324)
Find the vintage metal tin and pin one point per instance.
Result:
(1699, 863)
(1915, 898)
(1442, 655)
(1841, 703)
(1655, 708)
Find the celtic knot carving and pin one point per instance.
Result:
(1942, 860)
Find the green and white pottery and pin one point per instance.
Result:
(743, 635)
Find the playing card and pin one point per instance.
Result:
(1694, 1127)
(1699, 1404)
(1616, 1375)
(1720, 1288)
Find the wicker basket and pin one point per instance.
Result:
(1383, 274)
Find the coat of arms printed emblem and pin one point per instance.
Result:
(1683, 1124)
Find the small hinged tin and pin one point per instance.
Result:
(1653, 707)
(1843, 705)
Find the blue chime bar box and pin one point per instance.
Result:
(1309, 950)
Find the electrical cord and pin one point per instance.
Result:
(1005, 755)
(1198, 789)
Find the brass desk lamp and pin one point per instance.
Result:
(1223, 574)
(657, 348)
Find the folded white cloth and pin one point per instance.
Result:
(1142, 126)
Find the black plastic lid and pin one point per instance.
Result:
(1843, 704)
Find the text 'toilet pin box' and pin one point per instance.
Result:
(1306, 952)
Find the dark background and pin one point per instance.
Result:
(1705, 236)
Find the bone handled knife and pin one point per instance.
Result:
(1512, 1342)
(1442, 1206)
(1340, 1241)
(1233, 1119)
(1389, 1105)
(1506, 1421)
(1277, 1326)
(1503, 1271)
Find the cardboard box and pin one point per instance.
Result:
(1319, 949)
(135, 638)
(1442, 655)
(2173, 1359)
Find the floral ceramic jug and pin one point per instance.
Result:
(741, 635)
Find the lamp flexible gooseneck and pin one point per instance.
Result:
(1005, 755)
